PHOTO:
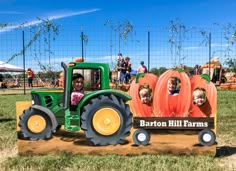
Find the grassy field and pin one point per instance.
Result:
(224, 159)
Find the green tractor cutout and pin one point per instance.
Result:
(102, 113)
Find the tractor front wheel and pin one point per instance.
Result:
(106, 120)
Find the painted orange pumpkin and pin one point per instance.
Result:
(208, 109)
(138, 108)
(79, 59)
(166, 105)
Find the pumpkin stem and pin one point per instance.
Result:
(138, 76)
(206, 77)
(179, 69)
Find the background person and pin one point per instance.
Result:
(120, 62)
(142, 68)
(30, 77)
(17, 81)
(125, 71)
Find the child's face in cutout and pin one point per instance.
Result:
(199, 99)
(78, 84)
(145, 96)
(171, 86)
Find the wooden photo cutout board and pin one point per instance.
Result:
(170, 114)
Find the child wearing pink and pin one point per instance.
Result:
(77, 88)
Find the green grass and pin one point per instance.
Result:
(111, 162)
(226, 110)
(9, 160)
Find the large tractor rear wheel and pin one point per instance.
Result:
(35, 124)
(106, 120)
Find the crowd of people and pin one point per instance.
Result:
(124, 68)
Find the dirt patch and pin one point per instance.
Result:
(177, 143)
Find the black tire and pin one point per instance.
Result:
(28, 131)
(113, 106)
(206, 137)
(141, 137)
(57, 129)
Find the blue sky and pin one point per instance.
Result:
(192, 12)
(201, 13)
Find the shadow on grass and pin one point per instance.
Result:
(225, 151)
(6, 119)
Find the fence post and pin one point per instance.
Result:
(23, 43)
(209, 54)
(148, 50)
(82, 43)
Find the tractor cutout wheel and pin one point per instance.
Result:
(35, 124)
(141, 137)
(206, 137)
(106, 120)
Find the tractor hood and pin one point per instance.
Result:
(56, 90)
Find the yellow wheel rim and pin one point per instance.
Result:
(36, 123)
(106, 121)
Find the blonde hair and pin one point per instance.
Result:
(145, 86)
(199, 91)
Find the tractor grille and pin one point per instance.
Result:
(48, 101)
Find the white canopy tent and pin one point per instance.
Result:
(5, 67)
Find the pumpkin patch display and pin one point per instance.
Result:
(208, 108)
(137, 106)
(168, 102)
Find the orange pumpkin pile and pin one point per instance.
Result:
(230, 84)
(181, 105)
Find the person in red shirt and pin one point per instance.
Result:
(30, 77)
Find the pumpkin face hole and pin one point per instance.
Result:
(145, 94)
(173, 86)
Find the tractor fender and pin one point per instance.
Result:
(121, 95)
(49, 113)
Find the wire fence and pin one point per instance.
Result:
(43, 47)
